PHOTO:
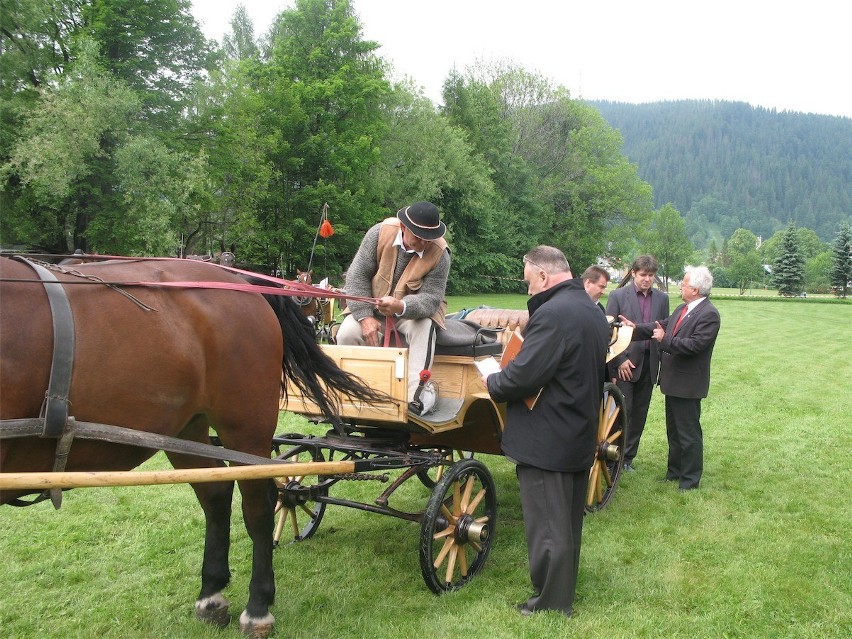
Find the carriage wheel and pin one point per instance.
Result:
(430, 477)
(296, 513)
(457, 528)
(609, 457)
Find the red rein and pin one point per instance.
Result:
(291, 288)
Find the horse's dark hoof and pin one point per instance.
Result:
(256, 628)
(213, 610)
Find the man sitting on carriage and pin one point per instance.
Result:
(404, 261)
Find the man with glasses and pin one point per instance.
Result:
(686, 340)
(637, 368)
(404, 261)
(562, 361)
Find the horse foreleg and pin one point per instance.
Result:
(259, 498)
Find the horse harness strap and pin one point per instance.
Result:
(56, 402)
(55, 409)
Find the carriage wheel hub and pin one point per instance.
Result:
(469, 530)
(608, 451)
(293, 494)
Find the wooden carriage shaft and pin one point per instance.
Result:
(15, 481)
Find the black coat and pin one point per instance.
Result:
(564, 352)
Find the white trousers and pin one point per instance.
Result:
(419, 336)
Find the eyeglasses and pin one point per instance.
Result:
(529, 261)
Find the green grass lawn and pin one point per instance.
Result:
(763, 549)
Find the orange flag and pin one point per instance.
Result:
(326, 229)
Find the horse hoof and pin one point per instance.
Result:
(256, 628)
(257, 632)
(213, 610)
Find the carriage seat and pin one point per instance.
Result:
(467, 338)
(504, 319)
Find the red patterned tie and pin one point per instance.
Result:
(680, 319)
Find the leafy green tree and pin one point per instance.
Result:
(423, 157)
(240, 44)
(63, 158)
(745, 264)
(556, 164)
(476, 107)
(665, 238)
(720, 277)
(36, 40)
(80, 79)
(231, 115)
(817, 273)
(164, 202)
(322, 94)
(841, 261)
(156, 48)
(788, 268)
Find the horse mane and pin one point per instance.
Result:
(304, 363)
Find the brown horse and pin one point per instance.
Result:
(308, 305)
(318, 310)
(171, 361)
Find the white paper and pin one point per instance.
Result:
(487, 366)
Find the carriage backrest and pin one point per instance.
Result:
(495, 318)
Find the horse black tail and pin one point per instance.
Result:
(313, 372)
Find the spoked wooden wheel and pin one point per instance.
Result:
(609, 456)
(431, 476)
(297, 515)
(457, 529)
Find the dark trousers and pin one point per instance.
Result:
(637, 399)
(553, 504)
(686, 444)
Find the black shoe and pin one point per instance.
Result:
(628, 467)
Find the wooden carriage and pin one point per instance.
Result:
(441, 446)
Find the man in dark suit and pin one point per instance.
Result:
(562, 362)
(686, 341)
(595, 280)
(636, 369)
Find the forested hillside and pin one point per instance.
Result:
(726, 165)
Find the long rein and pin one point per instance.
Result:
(277, 286)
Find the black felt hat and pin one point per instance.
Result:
(423, 219)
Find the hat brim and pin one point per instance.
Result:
(424, 233)
(622, 340)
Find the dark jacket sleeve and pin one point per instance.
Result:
(699, 339)
(534, 365)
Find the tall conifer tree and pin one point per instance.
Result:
(841, 261)
(789, 268)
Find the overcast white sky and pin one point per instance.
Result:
(792, 56)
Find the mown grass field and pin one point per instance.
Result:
(763, 549)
